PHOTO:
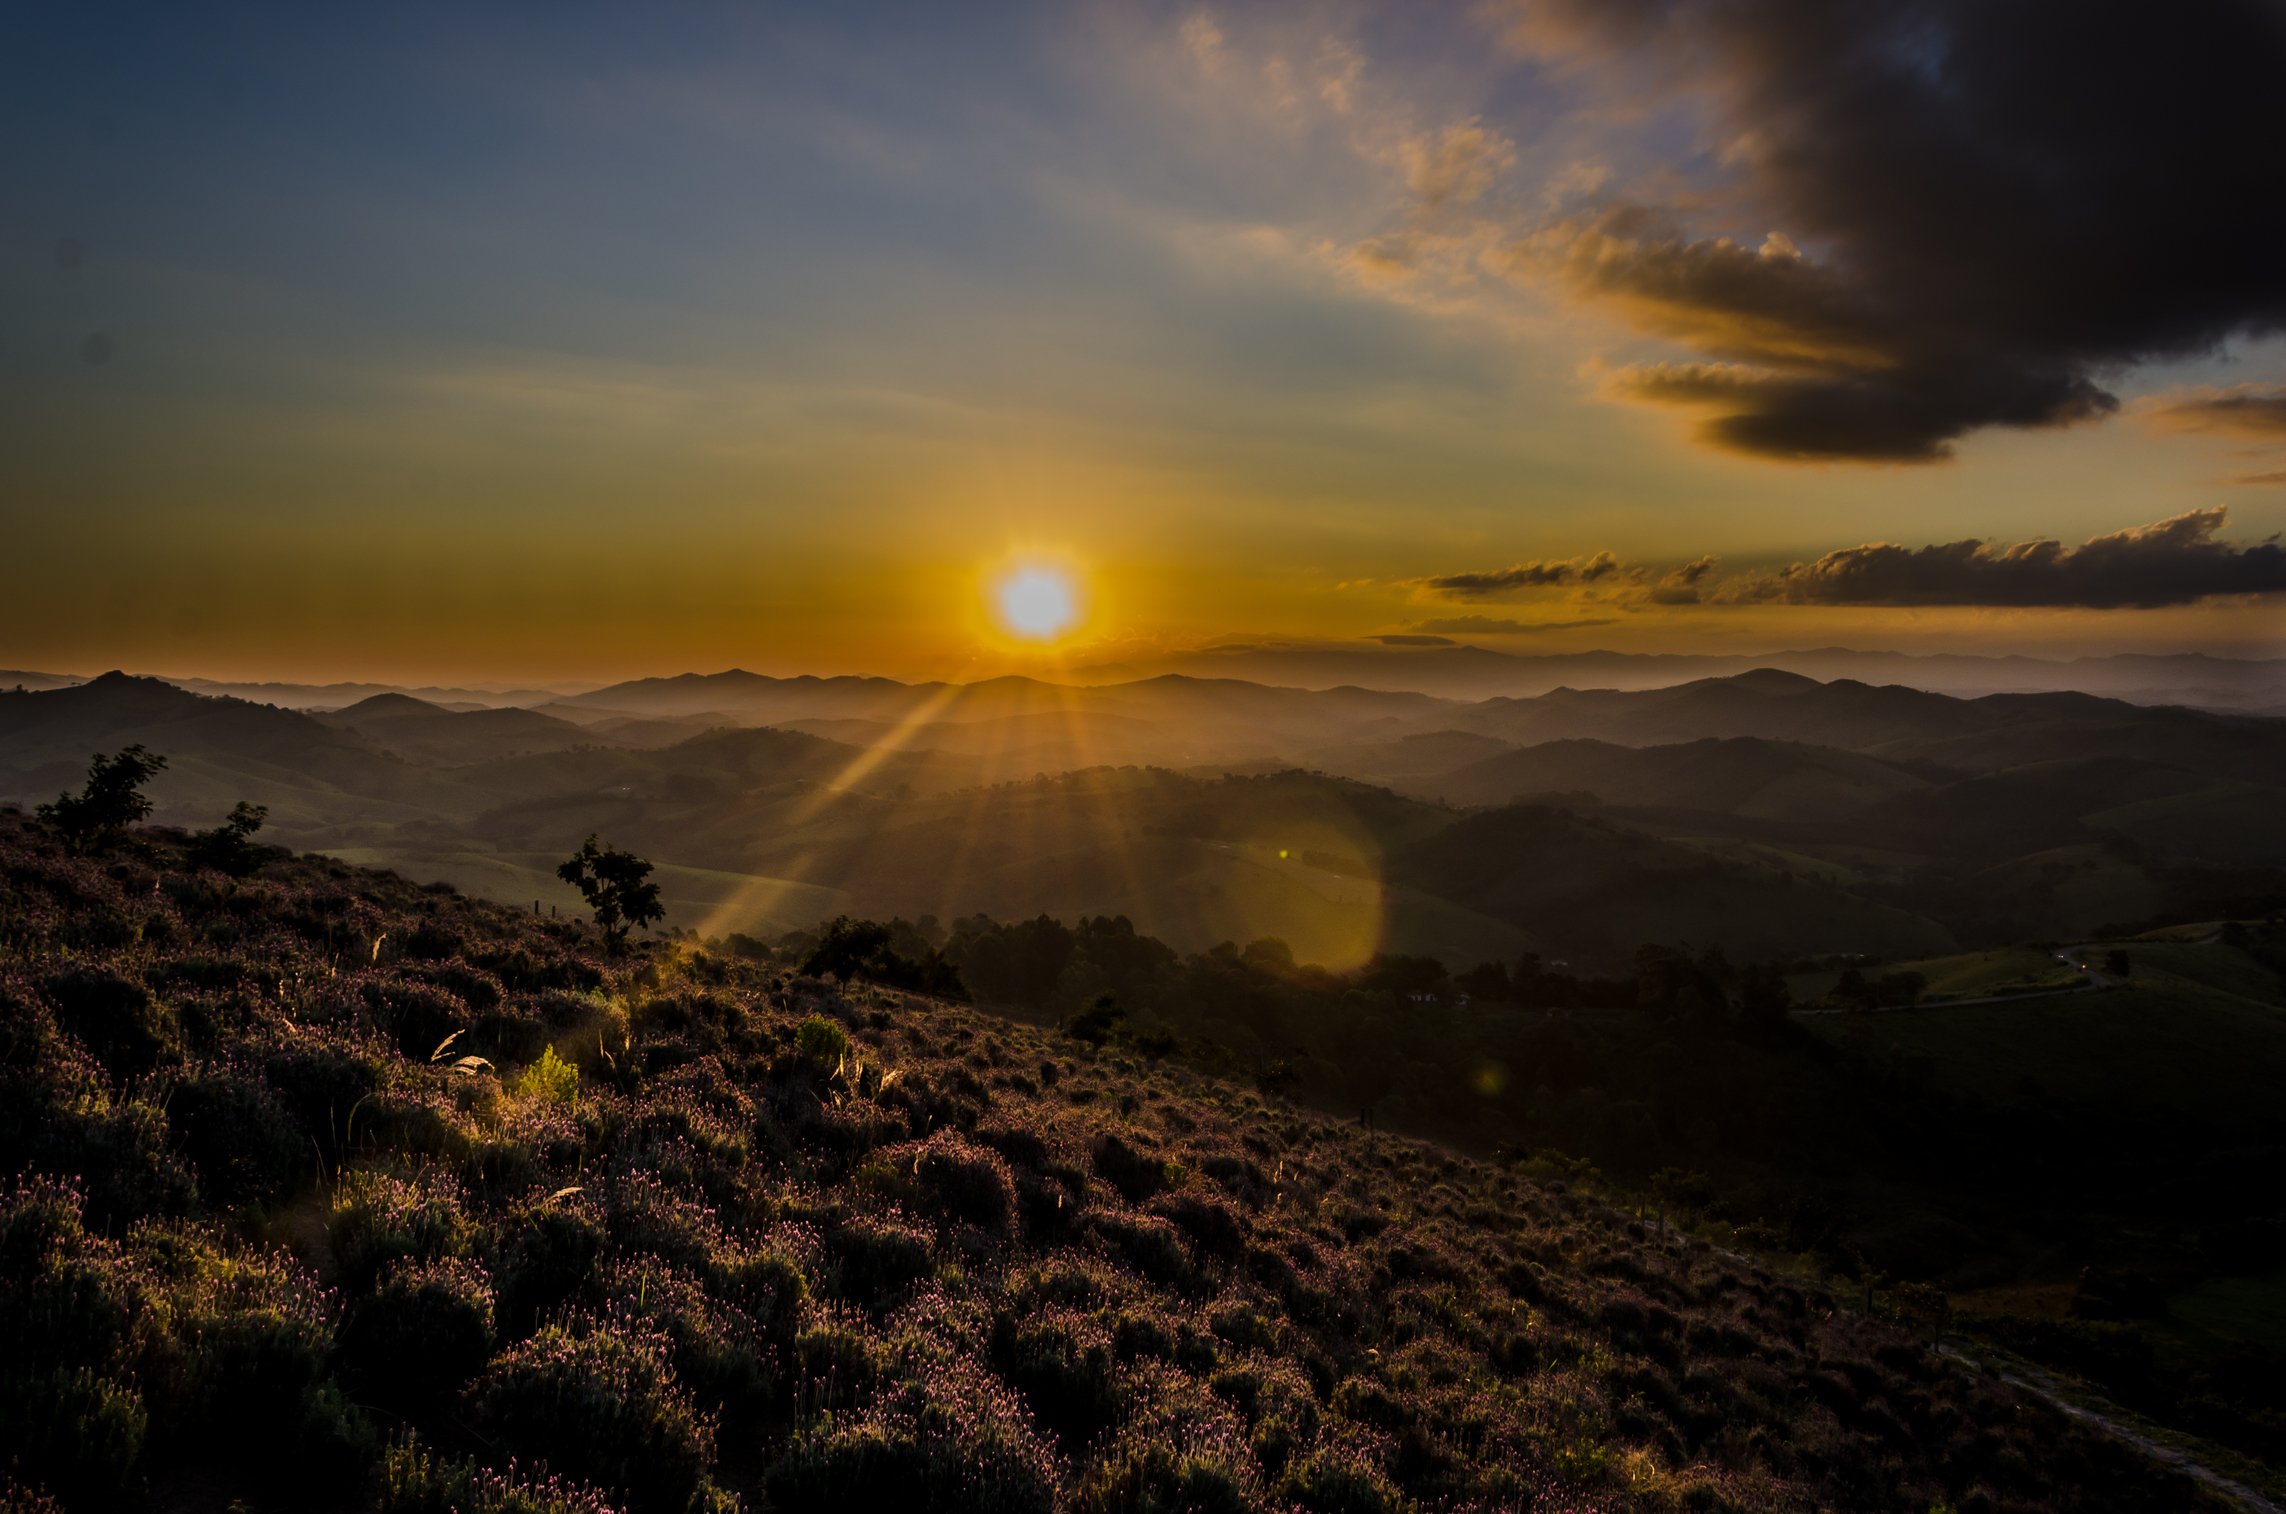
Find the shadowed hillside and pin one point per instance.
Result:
(325, 1180)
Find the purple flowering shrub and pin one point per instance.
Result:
(285, 1211)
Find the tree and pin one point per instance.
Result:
(113, 800)
(612, 883)
(2117, 963)
(848, 948)
(229, 848)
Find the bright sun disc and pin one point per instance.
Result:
(1037, 603)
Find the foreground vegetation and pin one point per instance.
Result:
(335, 1191)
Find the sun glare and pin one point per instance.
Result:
(1037, 603)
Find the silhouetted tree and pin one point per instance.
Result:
(113, 800)
(1486, 980)
(1763, 998)
(229, 847)
(2116, 962)
(848, 948)
(613, 884)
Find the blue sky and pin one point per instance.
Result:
(521, 339)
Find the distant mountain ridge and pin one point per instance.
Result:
(1460, 671)
(1820, 817)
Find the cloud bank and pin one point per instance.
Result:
(1502, 582)
(1963, 214)
(2170, 562)
(2177, 561)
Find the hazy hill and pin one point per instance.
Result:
(1739, 775)
(219, 751)
(431, 734)
(1911, 840)
(1901, 724)
(1473, 672)
(1601, 889)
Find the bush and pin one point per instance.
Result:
(541, 1262)
(1062, 1363)
(379, 1218)
(413, 1481)
(425, 1331)
(877, 1262)
(115, 1018)
(952, 1441)
(1151, 1476)
(80, 1434)
(957, 1180)
(551, 1079)
(822, 1041)
(601, 1407)
(1332, 1483)
(1136, 1174)
(239, 1137)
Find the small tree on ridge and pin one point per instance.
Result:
(613, 884)
(113, 800)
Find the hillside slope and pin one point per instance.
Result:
(694, 1236)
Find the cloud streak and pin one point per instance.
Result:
(2175, 561)
(2244, 410)
(1501, 583)
(1981, 211)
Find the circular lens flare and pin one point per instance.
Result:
(1037, 603)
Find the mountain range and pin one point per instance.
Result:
(1779, 814)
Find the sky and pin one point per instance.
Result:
(567, 341)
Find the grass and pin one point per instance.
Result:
(1964, 975)
(2163, 1042)
(2251, 1308)
(996, 1270)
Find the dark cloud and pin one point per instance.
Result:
(1980, 210)
(1682, 586)
(1502, 582)
(2170, 562)
(1486, 625)
(2248, 410)
(1416, 641)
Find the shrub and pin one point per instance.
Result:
(540, 1263)
(1330, 1482)
(877, 1262)
(1062, 1363)
(379, 1218)
(822, 1041)
(246, 1379)
(1153, 1476)
(425, 1331)
(230, 848)
(1146, 1243)
(601, 1407)
(952, 1440)
(551, 1079)
(413, 1481)
(79, 1433)
(955, 1179)
(1136, 1174)
(238, 1134)
(115, 1018)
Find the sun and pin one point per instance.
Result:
(1038, 604)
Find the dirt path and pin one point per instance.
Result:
(2037, 1383)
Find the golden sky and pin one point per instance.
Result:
(576, 344)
